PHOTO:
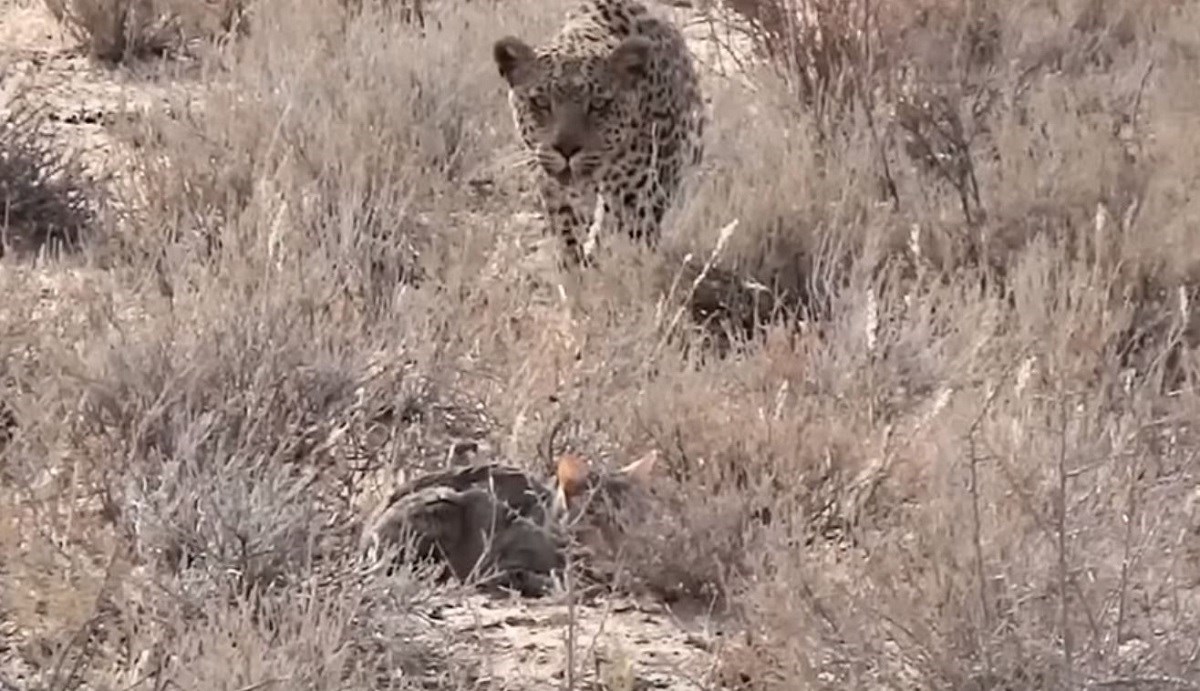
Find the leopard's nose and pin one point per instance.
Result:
(567, 149)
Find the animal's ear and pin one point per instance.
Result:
(513, 57)
(572, 475)
(630, 61)
(642, 469)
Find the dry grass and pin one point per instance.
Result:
(972, 465)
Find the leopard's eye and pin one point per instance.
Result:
(599, 106)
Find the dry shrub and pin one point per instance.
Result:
(210, 438)
(818, 45)
(950, 455)
(948, 109)
(48, 200)
(316, 636)
(120, 30)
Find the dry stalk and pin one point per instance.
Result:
(1061, 527)
(722, 240)
(1132, 471)
(547, 446)
(572, 623)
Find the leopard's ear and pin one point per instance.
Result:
(642, 469)
(630, 61)
(514, 58)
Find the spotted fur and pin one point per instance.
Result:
(611, 110)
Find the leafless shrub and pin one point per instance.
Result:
(818, 45)
(48, 199)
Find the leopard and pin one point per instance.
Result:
(613, 115)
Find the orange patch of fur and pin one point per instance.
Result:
(572, 473)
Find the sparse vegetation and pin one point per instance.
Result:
(47, 199)
(958, 452)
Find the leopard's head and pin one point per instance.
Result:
(577, 112)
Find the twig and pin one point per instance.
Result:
(868, 104)
(976, 521)
(1137, 101)
(976, 514)
(1063, 577)
(547, 449)
(1131, 507)
(568, 575)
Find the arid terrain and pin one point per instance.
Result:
(918, 350)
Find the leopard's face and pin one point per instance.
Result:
(577, 115)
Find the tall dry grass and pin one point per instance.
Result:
(961, 457)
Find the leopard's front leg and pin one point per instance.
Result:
(569, 215)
